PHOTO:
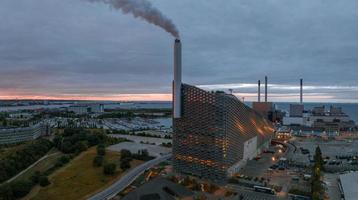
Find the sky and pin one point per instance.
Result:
(73, 49)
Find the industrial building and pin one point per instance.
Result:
(266, 109)
(319, 119)
(214, 132)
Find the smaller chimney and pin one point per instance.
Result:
(259, 91)
(301, 91)
(265, 88)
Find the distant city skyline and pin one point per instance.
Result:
(85, 51)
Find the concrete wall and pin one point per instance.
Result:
(250, 148)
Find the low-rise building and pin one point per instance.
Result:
(81, 109)
(20, 115)
(348, 184)
(22, 134)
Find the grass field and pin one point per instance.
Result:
(79, 178)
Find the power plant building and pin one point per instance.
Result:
(214, 132)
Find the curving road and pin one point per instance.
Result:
(127, 179)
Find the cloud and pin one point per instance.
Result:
(69, 47)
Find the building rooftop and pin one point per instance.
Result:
(349, 183)
(159, 189)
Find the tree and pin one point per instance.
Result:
(318, 157)
(43, 181)
(125, 154)
(57, 141)
(81, 146)
(21, 188)
(66, 147)
(101, 150)
(6, 192)
(316, 186)
(98, 161)
(14, 162)
(36, 177)
(65, 159)
(145, 153)
(109, 169)
(125, 164)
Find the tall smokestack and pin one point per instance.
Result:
(177, 80)
(265, 88)
(301, 91)
(259, 91)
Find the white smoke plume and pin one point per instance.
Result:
(143, 9)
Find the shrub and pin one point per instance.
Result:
(58, 164)
(109, 169)
(65, 159)
(277, 188)
(98, 161)
(36, 177)
(43, 181)
(101, 150)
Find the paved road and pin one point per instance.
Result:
(250, 194)
(332, 185)
(127, 179)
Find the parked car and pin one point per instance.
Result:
(269, 151)
(281, 168)
(275, 166)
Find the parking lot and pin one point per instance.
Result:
(141, 139)
(153, 150)
(258, 167)
(338, 155)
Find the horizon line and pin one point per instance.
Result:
(170, 101)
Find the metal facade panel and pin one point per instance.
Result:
(209, 136)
